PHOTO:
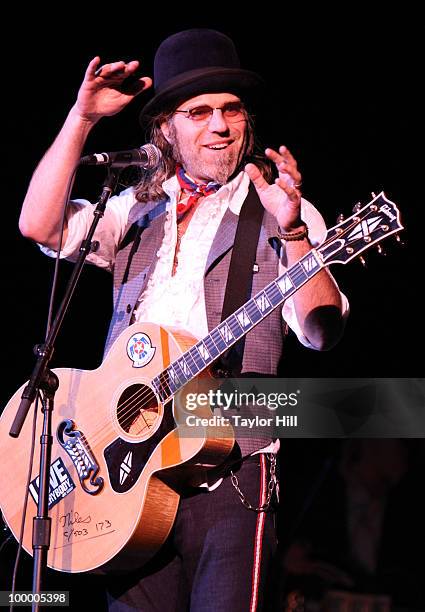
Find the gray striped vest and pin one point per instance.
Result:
(133, 267)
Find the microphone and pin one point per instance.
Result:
(148, 157)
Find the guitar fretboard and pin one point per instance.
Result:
(225, 335)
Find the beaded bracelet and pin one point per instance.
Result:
(297, 235)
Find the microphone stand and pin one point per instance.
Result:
(43, 379)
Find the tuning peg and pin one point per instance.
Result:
(357, 207)
(362, 261)
(340, 218)
(380, 250)
(399, 240)
(373, 194)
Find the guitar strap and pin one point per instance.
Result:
(239, 279)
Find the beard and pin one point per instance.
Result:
(218, 169)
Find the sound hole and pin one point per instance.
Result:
(138, 411)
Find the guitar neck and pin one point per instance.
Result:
(232, 329)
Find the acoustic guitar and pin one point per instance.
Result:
(122, 447)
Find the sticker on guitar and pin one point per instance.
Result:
(60, 484)
(140, 350)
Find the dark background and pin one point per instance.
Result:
(344, 96)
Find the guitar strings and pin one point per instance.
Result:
(129, 407)
(349, 228)
(132, 406)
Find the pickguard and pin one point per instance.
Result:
(126, 460)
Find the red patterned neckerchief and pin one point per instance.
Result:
(196, 191)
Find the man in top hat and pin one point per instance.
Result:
(219, 553)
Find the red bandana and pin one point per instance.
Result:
(196, 190)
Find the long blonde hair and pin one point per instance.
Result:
(149, 188)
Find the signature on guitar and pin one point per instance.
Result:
(70, 518)
(74, 525)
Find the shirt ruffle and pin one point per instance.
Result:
(179, 299)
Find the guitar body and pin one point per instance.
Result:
(117, 458)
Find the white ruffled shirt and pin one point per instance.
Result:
(180, 299)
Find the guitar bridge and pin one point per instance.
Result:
(75, 444)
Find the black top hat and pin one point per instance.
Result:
(193, 62)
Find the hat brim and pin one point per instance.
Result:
(206, 80)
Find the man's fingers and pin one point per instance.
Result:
(135, 87)
(274, 156)
(108, 70)
(119, 74)
(289, 173)
(256, 177)
(286, 165)
(287, 155)
(145, 83)
(92, 67)
(286, 179)
(283, 157)
(291, 191)
(117, 69)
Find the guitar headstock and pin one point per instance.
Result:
(368, 226)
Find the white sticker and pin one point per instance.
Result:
(140, 350)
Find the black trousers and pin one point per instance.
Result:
(218, 557)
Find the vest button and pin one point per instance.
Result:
(128, 309)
